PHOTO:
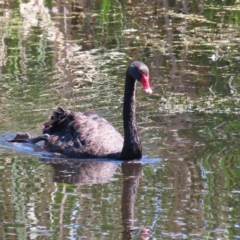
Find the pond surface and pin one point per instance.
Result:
(75, 54)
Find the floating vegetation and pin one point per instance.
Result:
(191, 17)
(179, 103)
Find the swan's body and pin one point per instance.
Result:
(80, 135)
(86, 135)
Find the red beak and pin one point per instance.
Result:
(145, 83)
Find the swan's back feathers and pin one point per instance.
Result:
(82, 135)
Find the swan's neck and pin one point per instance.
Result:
(132, 146)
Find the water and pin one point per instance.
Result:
(75, 54)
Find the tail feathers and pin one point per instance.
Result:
(21, 138)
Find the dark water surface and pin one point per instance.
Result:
(75, 54)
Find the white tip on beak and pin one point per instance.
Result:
(148, 91)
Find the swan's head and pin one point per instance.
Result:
(140, 71)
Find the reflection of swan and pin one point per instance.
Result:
(100, 172)
(86, 135)
(131, 173)
(76, 172)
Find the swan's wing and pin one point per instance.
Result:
(82, 135)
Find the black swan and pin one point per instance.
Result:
(86, 135)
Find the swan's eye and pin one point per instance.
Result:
(141, 72)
